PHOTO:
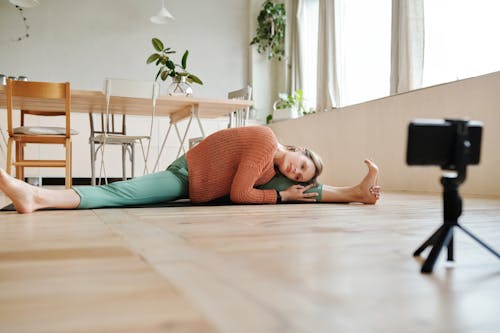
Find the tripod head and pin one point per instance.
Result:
(451, 144)
(461, 151)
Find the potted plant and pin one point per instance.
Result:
(181, 78)
(270, 34)
(288, 106)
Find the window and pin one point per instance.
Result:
(365, 49)
(309, 30)
(365, 44)
(461, 39)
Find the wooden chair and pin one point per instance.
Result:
(36, 134)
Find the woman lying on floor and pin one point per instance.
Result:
(246, 163)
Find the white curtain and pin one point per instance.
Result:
(303, 27)
(328, 92)
(296, 68)
(407, 46)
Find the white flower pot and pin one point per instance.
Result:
(285, 114)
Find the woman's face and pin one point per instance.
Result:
(297, 166)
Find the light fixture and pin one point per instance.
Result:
(25, 3)
(163, 15)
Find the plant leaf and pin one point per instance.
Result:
(269, 118)
(157, 44)
(184, 59)
(152, 58)
(170, 64)
(163, 59)
(195, 79)
(164, 75)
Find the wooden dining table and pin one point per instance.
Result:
(177, 108)
(85, 101)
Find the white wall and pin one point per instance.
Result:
(85, 41)
(378, 130)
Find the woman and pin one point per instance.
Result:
(232, 162)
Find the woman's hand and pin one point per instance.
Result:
(296, 193)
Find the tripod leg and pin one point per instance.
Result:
(450, 247)
(479, 241)
(442, 240)
(430, 241)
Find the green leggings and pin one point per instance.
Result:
(168, 185)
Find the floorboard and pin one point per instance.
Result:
(252, 268)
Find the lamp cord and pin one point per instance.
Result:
(26, 26)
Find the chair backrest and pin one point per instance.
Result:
(131, 88)
(38, 90)
(110, 123)
(239, 117)
(40, 114)
(244, 94)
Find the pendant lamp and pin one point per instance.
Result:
(163, 15)
(25, 3)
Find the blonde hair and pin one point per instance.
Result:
(314, 157)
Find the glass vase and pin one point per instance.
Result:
(180, 87)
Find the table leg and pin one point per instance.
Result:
(175, 118)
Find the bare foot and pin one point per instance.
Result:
(369, 191)
(23, 195)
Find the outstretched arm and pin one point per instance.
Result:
(367, 191)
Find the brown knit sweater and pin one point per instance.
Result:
(233, 161)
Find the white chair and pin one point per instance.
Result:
(3, 143)
(113, 131)
(3, 137)
(239, 117)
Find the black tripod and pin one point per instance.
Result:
(452, 205)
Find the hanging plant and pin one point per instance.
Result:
(270, 34)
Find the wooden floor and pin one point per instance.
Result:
(287, 268)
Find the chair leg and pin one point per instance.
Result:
(68, 163)
(1, 147)
(71, 163)
(92, 163)
(18, 157)
(2, 135)
(21, 155)
(124, 161)
(132, 159)
(8, 167)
